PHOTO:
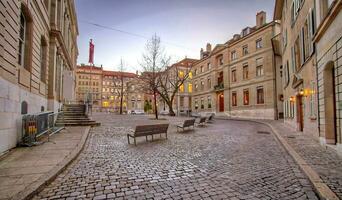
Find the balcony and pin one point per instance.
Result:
(219, 87)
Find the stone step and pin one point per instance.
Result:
(76, 121)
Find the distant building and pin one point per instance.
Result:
(102, 88)
(38, 53)
(238, 78)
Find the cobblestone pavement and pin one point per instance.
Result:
(225, 160)
(325, 161)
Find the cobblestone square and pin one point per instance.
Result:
(223, 160)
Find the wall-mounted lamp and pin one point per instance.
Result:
(292, 98)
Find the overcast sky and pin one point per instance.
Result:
(184, 26)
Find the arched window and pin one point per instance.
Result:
(24, 107)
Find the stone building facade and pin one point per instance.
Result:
(89, 85)
(182, 100)
(298, 61)
(31, 77)
(328, 39)
(238, 78)
(102, 88)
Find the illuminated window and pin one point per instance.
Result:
(105, 104)
(181, 88)
(190, 75)
(246, 97)
(190, 88)
(181, 74)
(234, 99)
(260, 95)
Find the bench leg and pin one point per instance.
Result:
(146, 138)
(135, 142)
(128, 139)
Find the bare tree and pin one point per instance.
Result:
(122, 90)
(170, 82)
(154, 61)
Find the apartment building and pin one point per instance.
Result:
(89, 85)
(298, 61)
(176, 73)
(238, 78)
(328, 40)
(102, 88)
(113, 85)
(38, 52)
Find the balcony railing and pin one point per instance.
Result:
(219, 87)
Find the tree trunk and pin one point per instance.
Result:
(155, 104)
(121, 95)
(171, 112)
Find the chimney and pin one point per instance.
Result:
(260, 19)
(201, 53)
(208, 47)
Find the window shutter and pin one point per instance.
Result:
(301, 46)
(293, 63)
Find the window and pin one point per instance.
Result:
(190, 88)
(297, 55)
(43, 60)
(196, 104)
(221, 61)
(259, 67)
(245, 71)
(196, 87)
(209, 83)
(181, 74)
(209, 66)
(245, 50)
(195, 72)
(202, 85)
(202, 69)
(260, 95)
(24, 107)
(181, 88)
(233, 55)
(234, 75)
(245, 97)
(209, 101)
(190, 75)
(234, 99)
(305, 40)
(202, 103)
(286, 74)
(22, 41)
(258, 44)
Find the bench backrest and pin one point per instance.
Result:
(189, 122)
(143, 130)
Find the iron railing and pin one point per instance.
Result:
(37, 125)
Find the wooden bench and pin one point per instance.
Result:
(146, 130)
(187, 123)
(202, 121)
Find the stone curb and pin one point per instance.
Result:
(39, 185)
(322, 189)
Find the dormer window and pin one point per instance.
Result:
(245, 31)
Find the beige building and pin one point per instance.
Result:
(111, 90)
(328, 39)
(298, 61)
(89, 85)
(38, 52)
(238, 78)
(182, 100)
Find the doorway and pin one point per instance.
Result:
(300, 113)
(221, 102)
(329, 103)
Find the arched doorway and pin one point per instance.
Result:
(329, 103)
(220, 102)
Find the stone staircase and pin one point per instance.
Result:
(74, 115)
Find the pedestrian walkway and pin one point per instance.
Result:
(325, 161)
(26, 169)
